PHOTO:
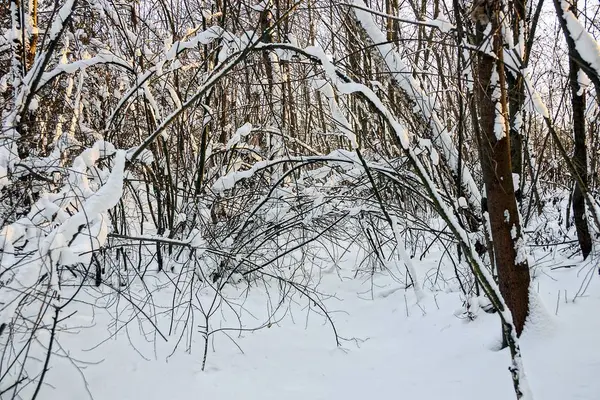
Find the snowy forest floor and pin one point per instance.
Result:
(392, 347)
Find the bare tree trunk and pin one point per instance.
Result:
(516, 96)
(580, 150)
(495, 153)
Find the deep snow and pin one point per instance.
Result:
(394, 347)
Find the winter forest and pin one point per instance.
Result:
(302, 199)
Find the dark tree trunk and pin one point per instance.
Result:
(580, 150)
(495, 153)
(580, 162)
(516, 98)
(573, 52)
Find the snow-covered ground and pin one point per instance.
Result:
(392, 347)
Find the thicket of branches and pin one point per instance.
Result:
(220, 142)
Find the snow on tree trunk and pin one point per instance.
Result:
(585, 48)
(580, 150)
(511, 260)
(516, 90)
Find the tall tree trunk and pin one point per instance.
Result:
(580, 151)
(516, 93)
(495, 154)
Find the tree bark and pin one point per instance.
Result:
(495, 154)
(580, 150)
(516, 96)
